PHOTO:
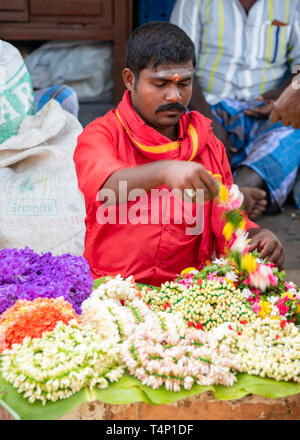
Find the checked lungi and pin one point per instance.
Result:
(65, 95)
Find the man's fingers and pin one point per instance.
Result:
(209, 182)
(254, 244)
(296, 125)
(281, 261)
(274, 116)
(255, 114)
(267, 249)
(276, 255)
(232, 149)
(250, 112)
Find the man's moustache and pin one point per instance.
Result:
(177, 106)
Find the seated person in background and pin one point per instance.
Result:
(150, 142)
(245, 51)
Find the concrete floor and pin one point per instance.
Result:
(285, 225)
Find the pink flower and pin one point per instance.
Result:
(212, 276)
(263, 277)
(187, 280)
(289, 286)
(247, 280)
(256, 306)
(283, 309)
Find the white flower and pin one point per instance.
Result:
(240, 242)
(221, 261)
(231, 275)
(246, 293)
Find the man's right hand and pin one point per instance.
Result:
(287, 107)
(183, 175)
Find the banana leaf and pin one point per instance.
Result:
(130, 390)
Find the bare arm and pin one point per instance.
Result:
(175, 174)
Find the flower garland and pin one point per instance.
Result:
(25, 274)
(267, 349)
(159, 358)
(203, 305)
(260, 275)
(108, 318)
(32, 319)
(122, 289)
(281, 302)
(61, 363)
(119, 318)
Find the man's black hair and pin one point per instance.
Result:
(158, 42)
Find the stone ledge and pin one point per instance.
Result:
(202, 407)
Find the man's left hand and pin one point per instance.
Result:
(264, 111)
(268, 246)
(261, 111)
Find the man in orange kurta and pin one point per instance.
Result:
(150, 142)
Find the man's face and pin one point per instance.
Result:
(161, 95)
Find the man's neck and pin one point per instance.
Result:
(247, 4)
(169, 132)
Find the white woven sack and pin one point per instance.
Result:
(16, 93)
(40, 203)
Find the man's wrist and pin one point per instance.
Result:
(254, 231)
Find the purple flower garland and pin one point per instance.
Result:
(25, 274)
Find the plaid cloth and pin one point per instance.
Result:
(272, 150)
(65, 95)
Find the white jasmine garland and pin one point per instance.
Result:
(157, 358)
(207, 305)
(112, 320)
(108, 318)
(267, 349)
(61, 363)
(117, 288)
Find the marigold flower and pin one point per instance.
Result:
(223, 193)
(248, 263)
(228, 231)
(187, 271)
(265, 309)
(33, 318)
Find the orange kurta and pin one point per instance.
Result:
(152, 253)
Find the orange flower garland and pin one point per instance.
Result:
(33, 318)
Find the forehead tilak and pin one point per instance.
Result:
(175, 73)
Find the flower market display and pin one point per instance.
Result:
(63, 335)
(61, 363)
(33, 318)
(26, 275)
(204, 305)
(157, 357)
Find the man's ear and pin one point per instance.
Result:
(128, 78)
